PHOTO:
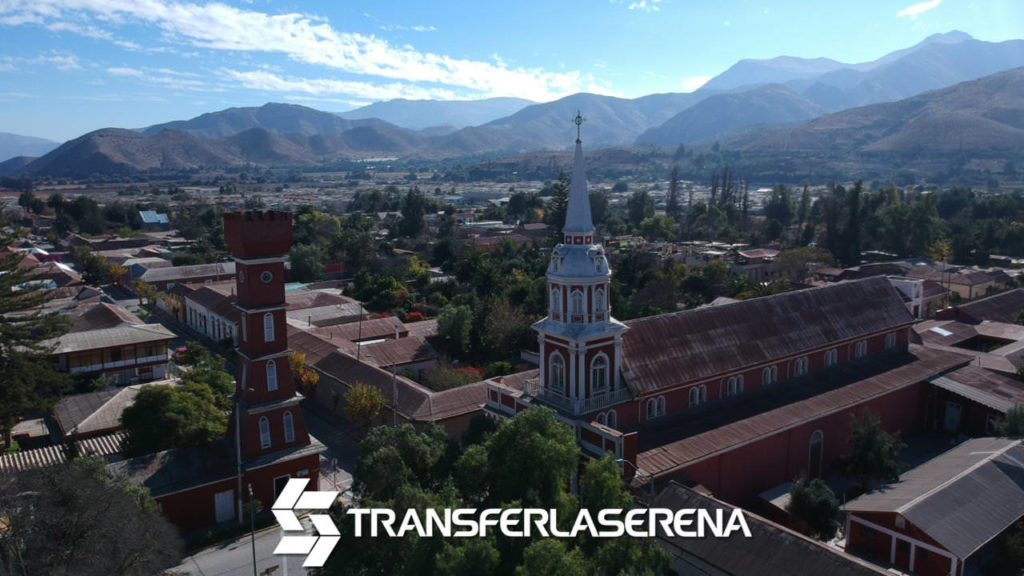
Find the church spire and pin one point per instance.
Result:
(577, 214)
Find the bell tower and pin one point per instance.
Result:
(580, 343)
(270, 419)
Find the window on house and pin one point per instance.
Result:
(661, 405)
(271, 376)
(602, 419)
(831, 358)
(613, 419)
(694, 396)
(656, 407)
(770, 375)
(268, 327)
(289, 427)
(861, 349)
(264, 433)
(599, 374)
(556, 380)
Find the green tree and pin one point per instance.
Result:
(873, 452)
(639, 206)
(795, 265)
(554, 217)
(27, 336)
(1012, 423)
(164, 417)
(549, 556)
(814, 503)
(672, 204)
(307, 262)
(414, 210)
(454, 324)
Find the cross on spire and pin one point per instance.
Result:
(578, 121)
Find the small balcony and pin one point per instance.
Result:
(579, 405)
(118, 364)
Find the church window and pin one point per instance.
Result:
(556, 303)
(890, 341)
(599, 302)
(831, 358)
(268, 327)
(602, 419)
(556, 379)
(814, 456)
(289, 427)
(698, 395)
(245, 327)
(861, 349)
(735, 385)
(577, 306)
(613, 419)
(770, 375)
(801, 366)
(599, 374)
(264, 433)
(271, 376)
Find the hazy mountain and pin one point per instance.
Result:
(12, 145)
(14, 166)
(942, 62)
(747, 73)
(610, 121)
(420, 114)
(272, 117)
(721, 115)
(983, 115)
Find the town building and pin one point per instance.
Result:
(942, 517)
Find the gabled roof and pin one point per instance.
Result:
(669, 349)
(1004, 307)
(95, 411)
(108, 445)
(362, 331)
(103, 315)
(400, 352)
(109, 337)
(301, 299)
(991, 389)
(962, 498)
(772, 550)
(181, 273)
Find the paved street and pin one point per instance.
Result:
(235, 558)
(339, 459)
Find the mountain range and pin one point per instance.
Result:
(12, 145)
(782, 103)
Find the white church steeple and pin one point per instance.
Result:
(580, 343)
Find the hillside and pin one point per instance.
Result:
(980, 115)
(422, 114)
(721, 115)
(272, 117)
(13, 145)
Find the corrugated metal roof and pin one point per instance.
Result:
(983, 386)
(409, 350)
(107, 445)
(781, 408)
(178, 273)
(125, 335)
(669, 349)
(1004, 307)
(100, 315)
(365, 330)
(96, 411)
(772, 550)
(962, 498)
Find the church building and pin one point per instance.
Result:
(739, 398)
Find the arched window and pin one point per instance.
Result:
(735, 385)
(800, 366)
(890, 341)
(556, 376)
(861, 350)
(556, 303)
(245, 327)
(814, 457)
(694, 396)
(268, 327)
(271, 376)
(264, 433)
(831, 358)
(289, 427)
(576, 299)
(602, 419)
(599, 374)
(241, 276)
(770, 375)
(652, 408)
(703, 393)
(661, 406)
(599, 302)
(613, 419)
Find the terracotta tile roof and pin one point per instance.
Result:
(772, 550)
(669, 349)
(963, 498)
(774, 410)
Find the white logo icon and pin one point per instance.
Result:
(319, 547)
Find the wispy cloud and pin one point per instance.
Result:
(303, 38)
(915, 10)
(125, 72)
(691, 83)
(270, 82)
(419, 28)
(167, 78)
(646, 5)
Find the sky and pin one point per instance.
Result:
(68, 67)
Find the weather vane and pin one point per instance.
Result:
(578, 121)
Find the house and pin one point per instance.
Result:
(942, 517)
(1005, 308)
(107, 340)
(212, 312)
(972, 400)
(153, 220)
(94, 413)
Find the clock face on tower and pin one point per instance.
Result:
(266, 276)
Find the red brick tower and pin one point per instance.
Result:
(275, 444)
